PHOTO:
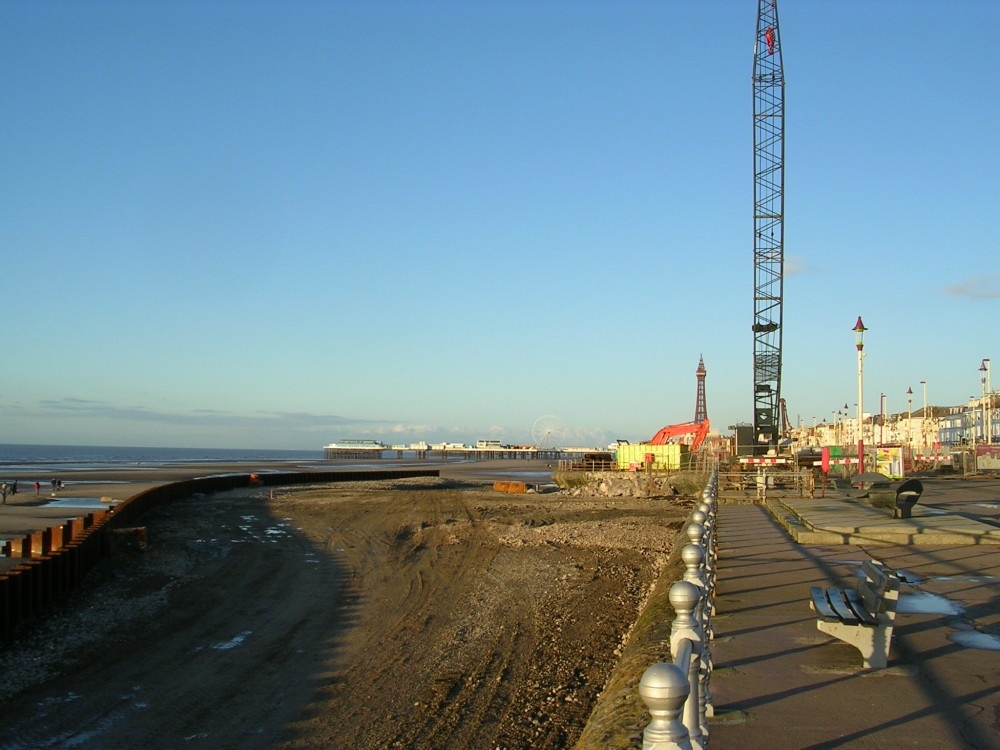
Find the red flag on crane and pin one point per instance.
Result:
(769, 38)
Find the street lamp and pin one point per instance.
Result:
(982, 404)
(971, 412)
(843, 432)
(881, 420)
(859, 340)
(923, 422)
(909, 418)
(989, 403)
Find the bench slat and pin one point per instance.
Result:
(876, 574)
(864, 613)
(869, 595)
(822, 606)
(841, 607)
(877, 588)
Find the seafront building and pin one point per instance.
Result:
(977, 422)
(964, 437)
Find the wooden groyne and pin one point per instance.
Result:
(56, 559)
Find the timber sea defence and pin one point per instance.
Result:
(41, 566)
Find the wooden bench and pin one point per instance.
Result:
(862, 616)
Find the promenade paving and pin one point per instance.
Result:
(780, 682)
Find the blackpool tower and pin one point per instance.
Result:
(700, 406)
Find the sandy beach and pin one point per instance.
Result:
(417, 613)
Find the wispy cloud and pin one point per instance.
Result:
(796, 265)
(75, 416)
(982, 287)
(73, 408)
(399, 428)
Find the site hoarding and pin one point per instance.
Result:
(889, 461)
(988, 457)
(633, 456)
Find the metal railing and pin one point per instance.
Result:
(677, 693)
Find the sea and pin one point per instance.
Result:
(33, 462)
(19, 460)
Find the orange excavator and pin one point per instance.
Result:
(671, 431)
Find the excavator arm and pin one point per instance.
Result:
(786, 427)
(668, 433)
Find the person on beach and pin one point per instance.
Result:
(38, 486)
(4, 491)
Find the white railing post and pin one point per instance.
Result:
(684, 598)
(709, 508)
(677, 694)
(664, 689)
(694, 556)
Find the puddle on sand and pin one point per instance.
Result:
(975, 639)
(80, 502)
(924, 603)
(232, 642)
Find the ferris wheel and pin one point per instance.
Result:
(548, 432)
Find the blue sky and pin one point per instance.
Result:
(277, 224)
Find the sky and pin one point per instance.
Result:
(278, 224)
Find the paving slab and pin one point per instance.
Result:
(847, 520)
(780, 682)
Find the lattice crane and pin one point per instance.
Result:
(769, 217)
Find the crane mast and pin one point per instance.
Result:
(769, 208)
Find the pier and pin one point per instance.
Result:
(453, 452)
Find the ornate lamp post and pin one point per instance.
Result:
(989, 402)
(909, 418)
(859, 339)
(881, 421)
(923, 422)
(982, 403)
(971, 413)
